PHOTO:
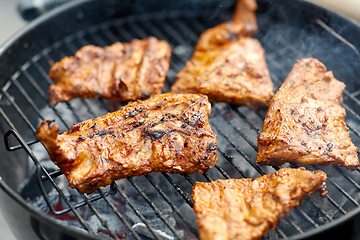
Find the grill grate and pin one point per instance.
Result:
(159, 204)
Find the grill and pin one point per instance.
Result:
(158, 205)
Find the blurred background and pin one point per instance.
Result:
(12, 21)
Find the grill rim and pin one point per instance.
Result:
(16, 38)
(41, 215)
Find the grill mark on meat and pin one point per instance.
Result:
(217, 202)
(211, 147)
(74, 128)
(163, 119)
(138, 124)
(132, 114)
(102, 133)
(329, 148)
(96, 72)
(170, 140)
(156, 134)
(309, 101)
(193, 119)
(308, 130)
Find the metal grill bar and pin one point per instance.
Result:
(137, 188)
(306, 216)
(166, 198)
(301, 212)
(230, 159)
(222, 171)
(238, 149)
(141, 34)
(27, 97)
(41, 92)
(176, 37)
(103, 222)
(179, 190)
(128, 201)
(39, 168)
(152, 205)
(118, 214)
(348, 178)
(168, 28)
(180, 39)
(88, 202)
(17, 108)
(338, 36)
(336, 204)
(238, 129)
(160, 35)
(34, 84)
(340, 189)
(207, 177)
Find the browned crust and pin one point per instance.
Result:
(235, 73)
(122, 72)
(305, 122)
(245, 209)
(168, 132)
(242, 24)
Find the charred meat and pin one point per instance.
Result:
(228, 65)
(247, 208)
(167, 132)
(122, 72)
(305, 122)
(243, 23)
(236, 73)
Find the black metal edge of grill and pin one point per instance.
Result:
(16, 44)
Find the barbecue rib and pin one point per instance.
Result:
(236, 73)
(245, 208)
(122, 72)
(243, 23)
(305, 122)
(167, 132)
(228, 65)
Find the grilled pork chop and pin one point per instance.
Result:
(122, 72)
(236, 73)
(305, 122)
(228, 65)
(243, 23)
(167, 132)
(247, 208)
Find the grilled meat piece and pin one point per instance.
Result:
(122, 72)
(168, 132)
(243, 23)
(227, 65)
(245, 208)
(305, 122)
(236, 73)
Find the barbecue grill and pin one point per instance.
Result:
(35, 197)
